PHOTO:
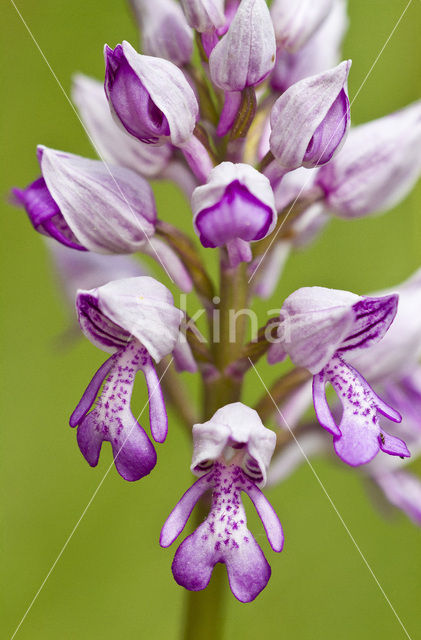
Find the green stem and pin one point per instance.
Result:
(232, 322)
(228, 328)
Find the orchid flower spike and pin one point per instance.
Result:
(246, 53)
(88, 206)
(164, 28)
(231, 454)
(111, 141)
(311, 119)
(321, 52)
(150, 97)
(320, 329)
(234, 208)
(295, 22)
(379, 165)
(135, 320)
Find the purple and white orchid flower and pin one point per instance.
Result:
(232, 452)
(88, 206)
(392, 367)
(234, 208)
(149, 96)
(135, 320)
(245, 55)
(320, 329)
(311, 119)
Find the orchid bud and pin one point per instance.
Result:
(86, 205)
(321, 52)
(165, 32)
(149, 96)
(246, 53)
(234, 208)
(295, 22)
(111, 141)
(311, 119)
(379, 165)
(204, 15)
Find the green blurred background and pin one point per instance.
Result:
(113, 580)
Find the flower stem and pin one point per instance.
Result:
(232, 313)
(227, 339)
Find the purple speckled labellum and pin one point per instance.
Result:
(295, 22)
(246, 53)
(379, 164)
(164, 28)
(231, 453)
(311, 119)
(234, 208)
(319, 328)
(135, 319)
(149, 96)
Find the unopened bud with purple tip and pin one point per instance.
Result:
(246, 53)
(86, 205)
(379, 165)
(165, 32)
(311, 119)
(295, 22)
(234, 208)
(149, 96)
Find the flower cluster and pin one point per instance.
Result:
(258, 136)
